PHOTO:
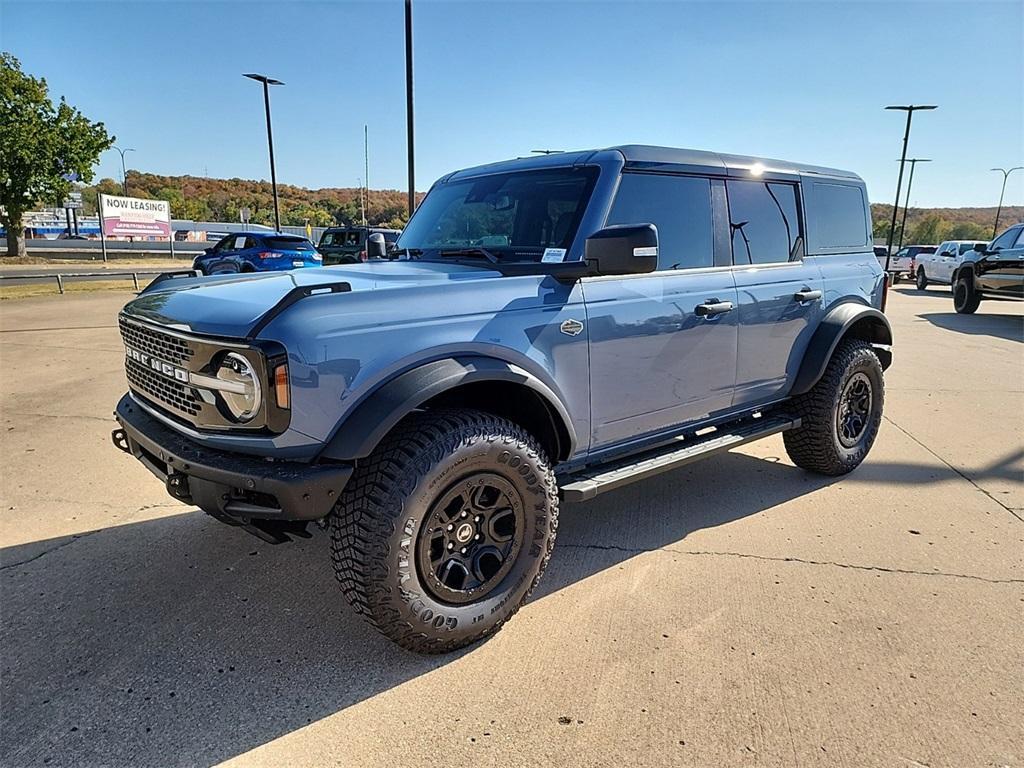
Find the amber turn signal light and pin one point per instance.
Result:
(281, 391)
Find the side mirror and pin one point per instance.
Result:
(623, 249)
(376, 248)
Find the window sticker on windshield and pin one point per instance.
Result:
(553, 255)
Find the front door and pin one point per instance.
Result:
(1001, 271)
(656, 360)
(780, 292)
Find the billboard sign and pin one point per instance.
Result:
(132, 216)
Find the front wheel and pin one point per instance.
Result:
(840, 415)
(966, 299)
(443, 532)
(922, 279)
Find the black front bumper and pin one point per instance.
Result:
(228, 484)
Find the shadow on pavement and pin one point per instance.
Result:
(181, 641)
(1009, 327)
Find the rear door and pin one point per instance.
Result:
(1002, 269)
(654, 362)
(780, 292)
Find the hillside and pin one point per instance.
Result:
(205, 199)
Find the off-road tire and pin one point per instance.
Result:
(922, 279)
(966, 300)
(815, 445)
(374, 529)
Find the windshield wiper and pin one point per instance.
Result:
(471, 251)
(411, 253)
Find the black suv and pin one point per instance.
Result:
(994, 270)
(347, 245)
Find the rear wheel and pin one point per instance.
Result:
(922, 279)
(445, 529)
(965, 299)
(842, 413)
(896, 277)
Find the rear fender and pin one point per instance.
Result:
(849, 320)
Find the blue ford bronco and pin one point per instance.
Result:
(546, 329)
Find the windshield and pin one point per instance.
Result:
(515, 216)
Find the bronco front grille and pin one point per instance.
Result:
(164, 346)
(167, 392)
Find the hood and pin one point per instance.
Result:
(231, 305)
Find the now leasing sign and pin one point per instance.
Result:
(123, 216)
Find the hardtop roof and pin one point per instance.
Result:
(654, 155)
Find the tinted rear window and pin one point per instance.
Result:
(836, 216)
(288, 243)
(763, 221)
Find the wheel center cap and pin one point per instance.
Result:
(464, 533)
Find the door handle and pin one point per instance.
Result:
(712, 307)
(806, 295)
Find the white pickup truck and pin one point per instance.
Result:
(901, 263)
(939, 267)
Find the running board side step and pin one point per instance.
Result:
(591, 482)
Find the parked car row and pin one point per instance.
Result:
(274, 251)
(990, 271)
(940, 265)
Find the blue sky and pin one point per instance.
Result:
(803, 81)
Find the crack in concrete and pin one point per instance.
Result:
(965, 477)
(74, 537)
(801, 561)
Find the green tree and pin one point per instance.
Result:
(40, 147)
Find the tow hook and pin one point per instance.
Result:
(177, 486)
(120, 440)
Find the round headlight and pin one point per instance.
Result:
(243, 397)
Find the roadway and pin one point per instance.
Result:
(737, 612)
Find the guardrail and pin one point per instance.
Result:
(60, 277)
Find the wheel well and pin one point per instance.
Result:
(873, 331)
(515, 402)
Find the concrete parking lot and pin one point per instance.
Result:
(738, 612)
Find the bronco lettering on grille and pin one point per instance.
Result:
(157, 365)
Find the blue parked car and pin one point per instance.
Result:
(257, 252)
(550, 329)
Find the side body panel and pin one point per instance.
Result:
(654, 362)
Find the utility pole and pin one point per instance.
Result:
(366, 169)
(909, 109)
(267, 82)
(1006, 174)
(408, 106)
(910, 182)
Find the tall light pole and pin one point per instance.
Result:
(408, 105)
(1006, 174)
(910, 182)
(909, 109)
(124, 173)
(267, 82)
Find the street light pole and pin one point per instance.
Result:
(1006, 174)
(408, 106)
(909, 109)
(910, 182)
(267, 82)
(124, 173)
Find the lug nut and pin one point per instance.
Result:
(463, 550)
(477, 537)
(478, 518)
(465, 513)
(451, 546)
(451, 527)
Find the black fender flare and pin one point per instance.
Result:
(864, 322)
(356, 435)
(965, 269)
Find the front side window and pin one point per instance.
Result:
(763, 222)
(512, 216)
(679, 206)
(1007, 239)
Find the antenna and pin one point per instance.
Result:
(366, 168)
